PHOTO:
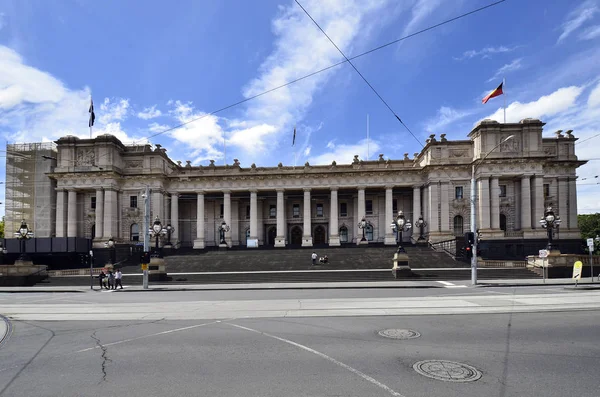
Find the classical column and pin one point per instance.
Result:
(495, 192)
(72, 214)
(199, 241)
(175, 218)
(110, 213)
(434, 224)
(158, 206)
(444, 208)
(334, 236)
(417, 212)
(280, 237)
(538, 191)
(572, 204)
(563, 201)
(526, 203)
(99, 213)
(227, 214)
(389, 238)
(306, 229)
(60, 213)
(253, 218)
(361, 212)
(483, 213)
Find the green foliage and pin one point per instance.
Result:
(2, 228)
(589, 224)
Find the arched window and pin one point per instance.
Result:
(135, 232)
(503, 222)
(458, 225)
(343, 234)
(369, 232)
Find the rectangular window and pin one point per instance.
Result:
(546, 190)
(394, 206)
(458, 192)
(343, 209)
(502, 190)
(247, 212)
(368, 207)
(133, 201)
(93, 204)
(296, 211)
(320, 210)
(272, 211)
(221, 210)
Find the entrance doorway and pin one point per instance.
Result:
(319, 236)
(296, 235)
(271, 234)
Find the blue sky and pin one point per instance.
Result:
(154, 66)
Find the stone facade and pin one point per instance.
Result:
(313, 205)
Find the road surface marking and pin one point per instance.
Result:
(446, 284)
(326, 357)
(147, 336)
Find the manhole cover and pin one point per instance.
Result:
(448, 371)
(399, 333)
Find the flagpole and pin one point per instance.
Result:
(224, 149)
(504, 91)
(367, 136)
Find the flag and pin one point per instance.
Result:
(498, 91)
(294, 139)
(92, 114)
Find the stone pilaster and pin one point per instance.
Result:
(99, 214)
(483, 208)
(538, 211)
(175, 218)
(444, 208)
(495, 200)
(361, 213)
(253, 215)
(227, 215)
(199, 241)
(433, 221)
(280, 237)
(334, 237)
(563, 202)
(306, 230)
(110, 213)
(572, 205)
(389, 238)
(526, 202)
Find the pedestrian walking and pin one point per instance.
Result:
(314, 258)
(101, 278)
(111, 280)
(104, 279)
(118, 277)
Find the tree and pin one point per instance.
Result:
(2, 228)
(589, 224)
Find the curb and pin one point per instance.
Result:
(5, 330)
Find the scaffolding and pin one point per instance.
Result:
(30, 193)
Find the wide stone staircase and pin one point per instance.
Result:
(372, 263)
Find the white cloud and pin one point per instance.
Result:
(420, 11)
(445, 116)
(307, 151)
(113, 111)
(593, 32)
(485, 52)
(155, 127)
(149, 113)
(344, 154)
(509, 67)
(331, 144)
(546, 106)
(577, 18)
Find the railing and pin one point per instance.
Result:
(447, 246)
(508, 263)
(74, 272)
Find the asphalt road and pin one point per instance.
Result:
(517, 354)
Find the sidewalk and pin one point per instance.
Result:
(566, 282)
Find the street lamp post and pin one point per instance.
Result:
(23, 234)
(110, 244)
(363, 225)
(223, 228)
(399, 225)
(550, 222)
(473, 200)
(170, 229)
(420, 223)
(157, 231)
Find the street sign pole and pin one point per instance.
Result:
(590, 243)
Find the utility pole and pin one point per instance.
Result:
(146, 235)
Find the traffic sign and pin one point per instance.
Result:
(144, 266)
(577, 270)
(590, 243)
(543, 253)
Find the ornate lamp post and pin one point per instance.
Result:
(157, 230)
(170, 229)
(110, 244)
(23, 234)
(223, 228)
(363, 225)
(420, 223)
(399, 225)
(550, 222)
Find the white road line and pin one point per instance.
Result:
(447, 284)
(148, 336)
(326, 357)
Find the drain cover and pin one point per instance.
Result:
(448, 371)
(399, 333)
